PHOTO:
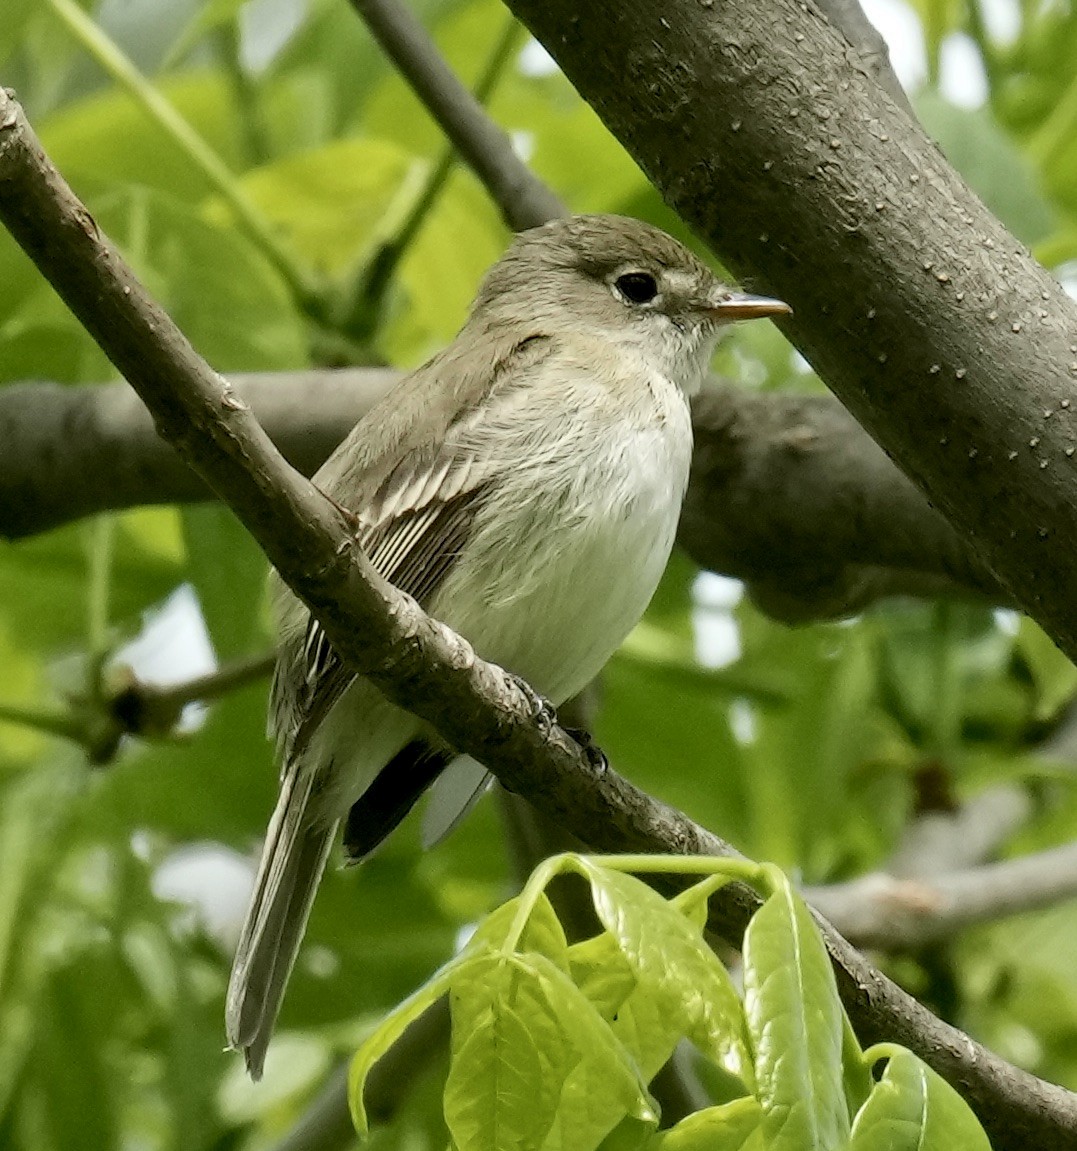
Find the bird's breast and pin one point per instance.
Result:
(570, 546)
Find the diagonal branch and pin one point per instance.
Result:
(415, 661)
(523, 198)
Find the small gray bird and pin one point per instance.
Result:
(524, 486)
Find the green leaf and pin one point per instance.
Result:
(16, 14)
(732, 1127)
(394, 1025)
(542, 931)
(677, 973)
(599, 968)
(672, 738)
(605, 1087)
(108, 137)
(544, 934)
(441, 271)
(229, 301)
(913, 1109)
(35, 812)
(1054, 677)
(327, 202)
(796, 1025)
(510, 1057)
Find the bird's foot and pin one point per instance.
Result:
(595, 756)
(542, 711)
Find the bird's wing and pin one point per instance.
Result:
(414, 517)
(413, 535)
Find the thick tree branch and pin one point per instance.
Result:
(417, 662)
(929, 321)
(862, 35)
(791, 495)
(787, 493)
(523, 198)
(74, 452)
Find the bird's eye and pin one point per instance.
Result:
(637, 287)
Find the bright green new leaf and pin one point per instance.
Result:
(509, 1058)
(542, 931)
(393, 1026)
(796, 1024)
(913, 1109)
(734, 1126)
(605, 1086)
(674, 967)
(602, 973)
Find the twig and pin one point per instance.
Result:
(252, 123)
(366, 295)
(938, 842)
(116, 705)
(148, 710)
(894, 914)
(523, 199)
(418, 663)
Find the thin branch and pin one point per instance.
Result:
(788, 492)
(116, 704)
(366, 295)
(418, 663)
(227, 39)
(153, 711)
(523, 199)
(893, 914)
(937, 842)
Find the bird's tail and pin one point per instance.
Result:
(296, 849)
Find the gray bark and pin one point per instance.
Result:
(932, 324)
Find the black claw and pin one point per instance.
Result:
(542, 711)
(595, 756)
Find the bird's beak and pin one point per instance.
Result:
(740, 306)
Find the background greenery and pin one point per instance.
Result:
(813, 748)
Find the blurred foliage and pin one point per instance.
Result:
(121, 885)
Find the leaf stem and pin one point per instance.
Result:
(216, 173)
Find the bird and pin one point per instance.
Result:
(524, 486)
